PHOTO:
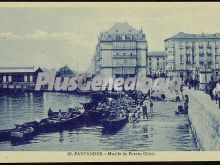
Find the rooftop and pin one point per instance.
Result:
(182, 35)
(17, 69)
(122, 28)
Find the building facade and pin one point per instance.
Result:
(18, 77)
(156, 63)
(121, 51)
(190, 55)
(65, 72)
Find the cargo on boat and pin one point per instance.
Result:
(114, 121)
(22, 133)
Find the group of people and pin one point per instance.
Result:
(216, 93)
(184, 109)
(192, 83)
(141, 109)
(60, 115)
(212, 88)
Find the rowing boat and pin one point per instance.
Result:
(5, 134)
(114, 122)
(22, 133)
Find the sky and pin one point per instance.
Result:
(51, 37)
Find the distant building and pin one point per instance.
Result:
(65, 72)
(188, 55)
(18, 77)
(121, 51)
(156, 63)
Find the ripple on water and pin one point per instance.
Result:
(165, 131)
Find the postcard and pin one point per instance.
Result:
(113, 81)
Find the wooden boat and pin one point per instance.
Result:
(22, 133)
(48, 125)
(55, 123)
(55, 114)
(114, 122)
(5, 134)
(33, 124)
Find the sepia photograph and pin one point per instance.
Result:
(110, 79)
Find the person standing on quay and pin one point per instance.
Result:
(145, 111)
(181, 90)
(151, 106)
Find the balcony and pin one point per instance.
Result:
(201, 60)
(201, 54)
(217, 54)
(181, 46)
(201, 46)
(209, 60)
(187, 52)
(124, 57)
(187, 46)
(209, 53)
(209, 47)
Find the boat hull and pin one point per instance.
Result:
(5, 135)
(113, 124)
(48, 125)
(22, 134)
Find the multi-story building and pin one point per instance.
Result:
(193, 54)
(121, 51)
(156, 63)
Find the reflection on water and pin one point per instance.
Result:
(165, 131)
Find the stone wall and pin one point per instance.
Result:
(204, 117)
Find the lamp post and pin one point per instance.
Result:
(197, 73)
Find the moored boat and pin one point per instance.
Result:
(5, 134)
(70, 119)
(114, 122)
(22, 133)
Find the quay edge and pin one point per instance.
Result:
(204, 117)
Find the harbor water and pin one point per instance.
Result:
(164, 131)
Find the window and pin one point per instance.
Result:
(9, 79)
(31, 78)
(157, 59)
(4, 79)
(25, 78)
(149, 59)
(181, 58)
